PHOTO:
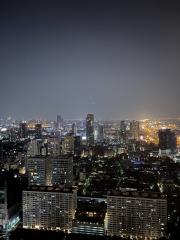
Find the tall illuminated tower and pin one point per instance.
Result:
(90, 129)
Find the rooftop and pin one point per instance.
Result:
(50, 189)
(135, 194)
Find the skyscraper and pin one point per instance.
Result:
(23, 130)
(37, 170)
(68, 144)
(90, 129)
(100, 136)
(134, 130)
(74, 129)
(59, 122)
(34, 147)
(62, 170)
(167, 141)
(38, 130)
(77, 145)
(123, 132)
(10, 200)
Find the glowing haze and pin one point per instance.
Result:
(116, 60)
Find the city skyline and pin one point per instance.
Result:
(89, 120)
(82, 118)
(116, 60)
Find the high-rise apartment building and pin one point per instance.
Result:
(77, 145)
(37, 170)
(123, 132)
(49, 208)
(90, 129)
(68, 144)
(23, 130)
(59, 122)
(38, 130)
(46, 171)
(167, 141)
(34, 148)
(62, 170)
(136, 214)
(74, 129)
(135, 130)
(100, 135)
(10, 201)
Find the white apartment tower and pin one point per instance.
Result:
(138, 215)
(49, 208)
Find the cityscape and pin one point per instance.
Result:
(89, 120)
(100, 178)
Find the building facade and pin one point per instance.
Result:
(49, 208)
(68, 144)
(23, 130)
(90, 129)
(135, 130)
(167, 141)
(37, 170)
(62, 170)
(136, 215)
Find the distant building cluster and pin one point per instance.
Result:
(90, 177)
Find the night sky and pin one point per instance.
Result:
(116, 59)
